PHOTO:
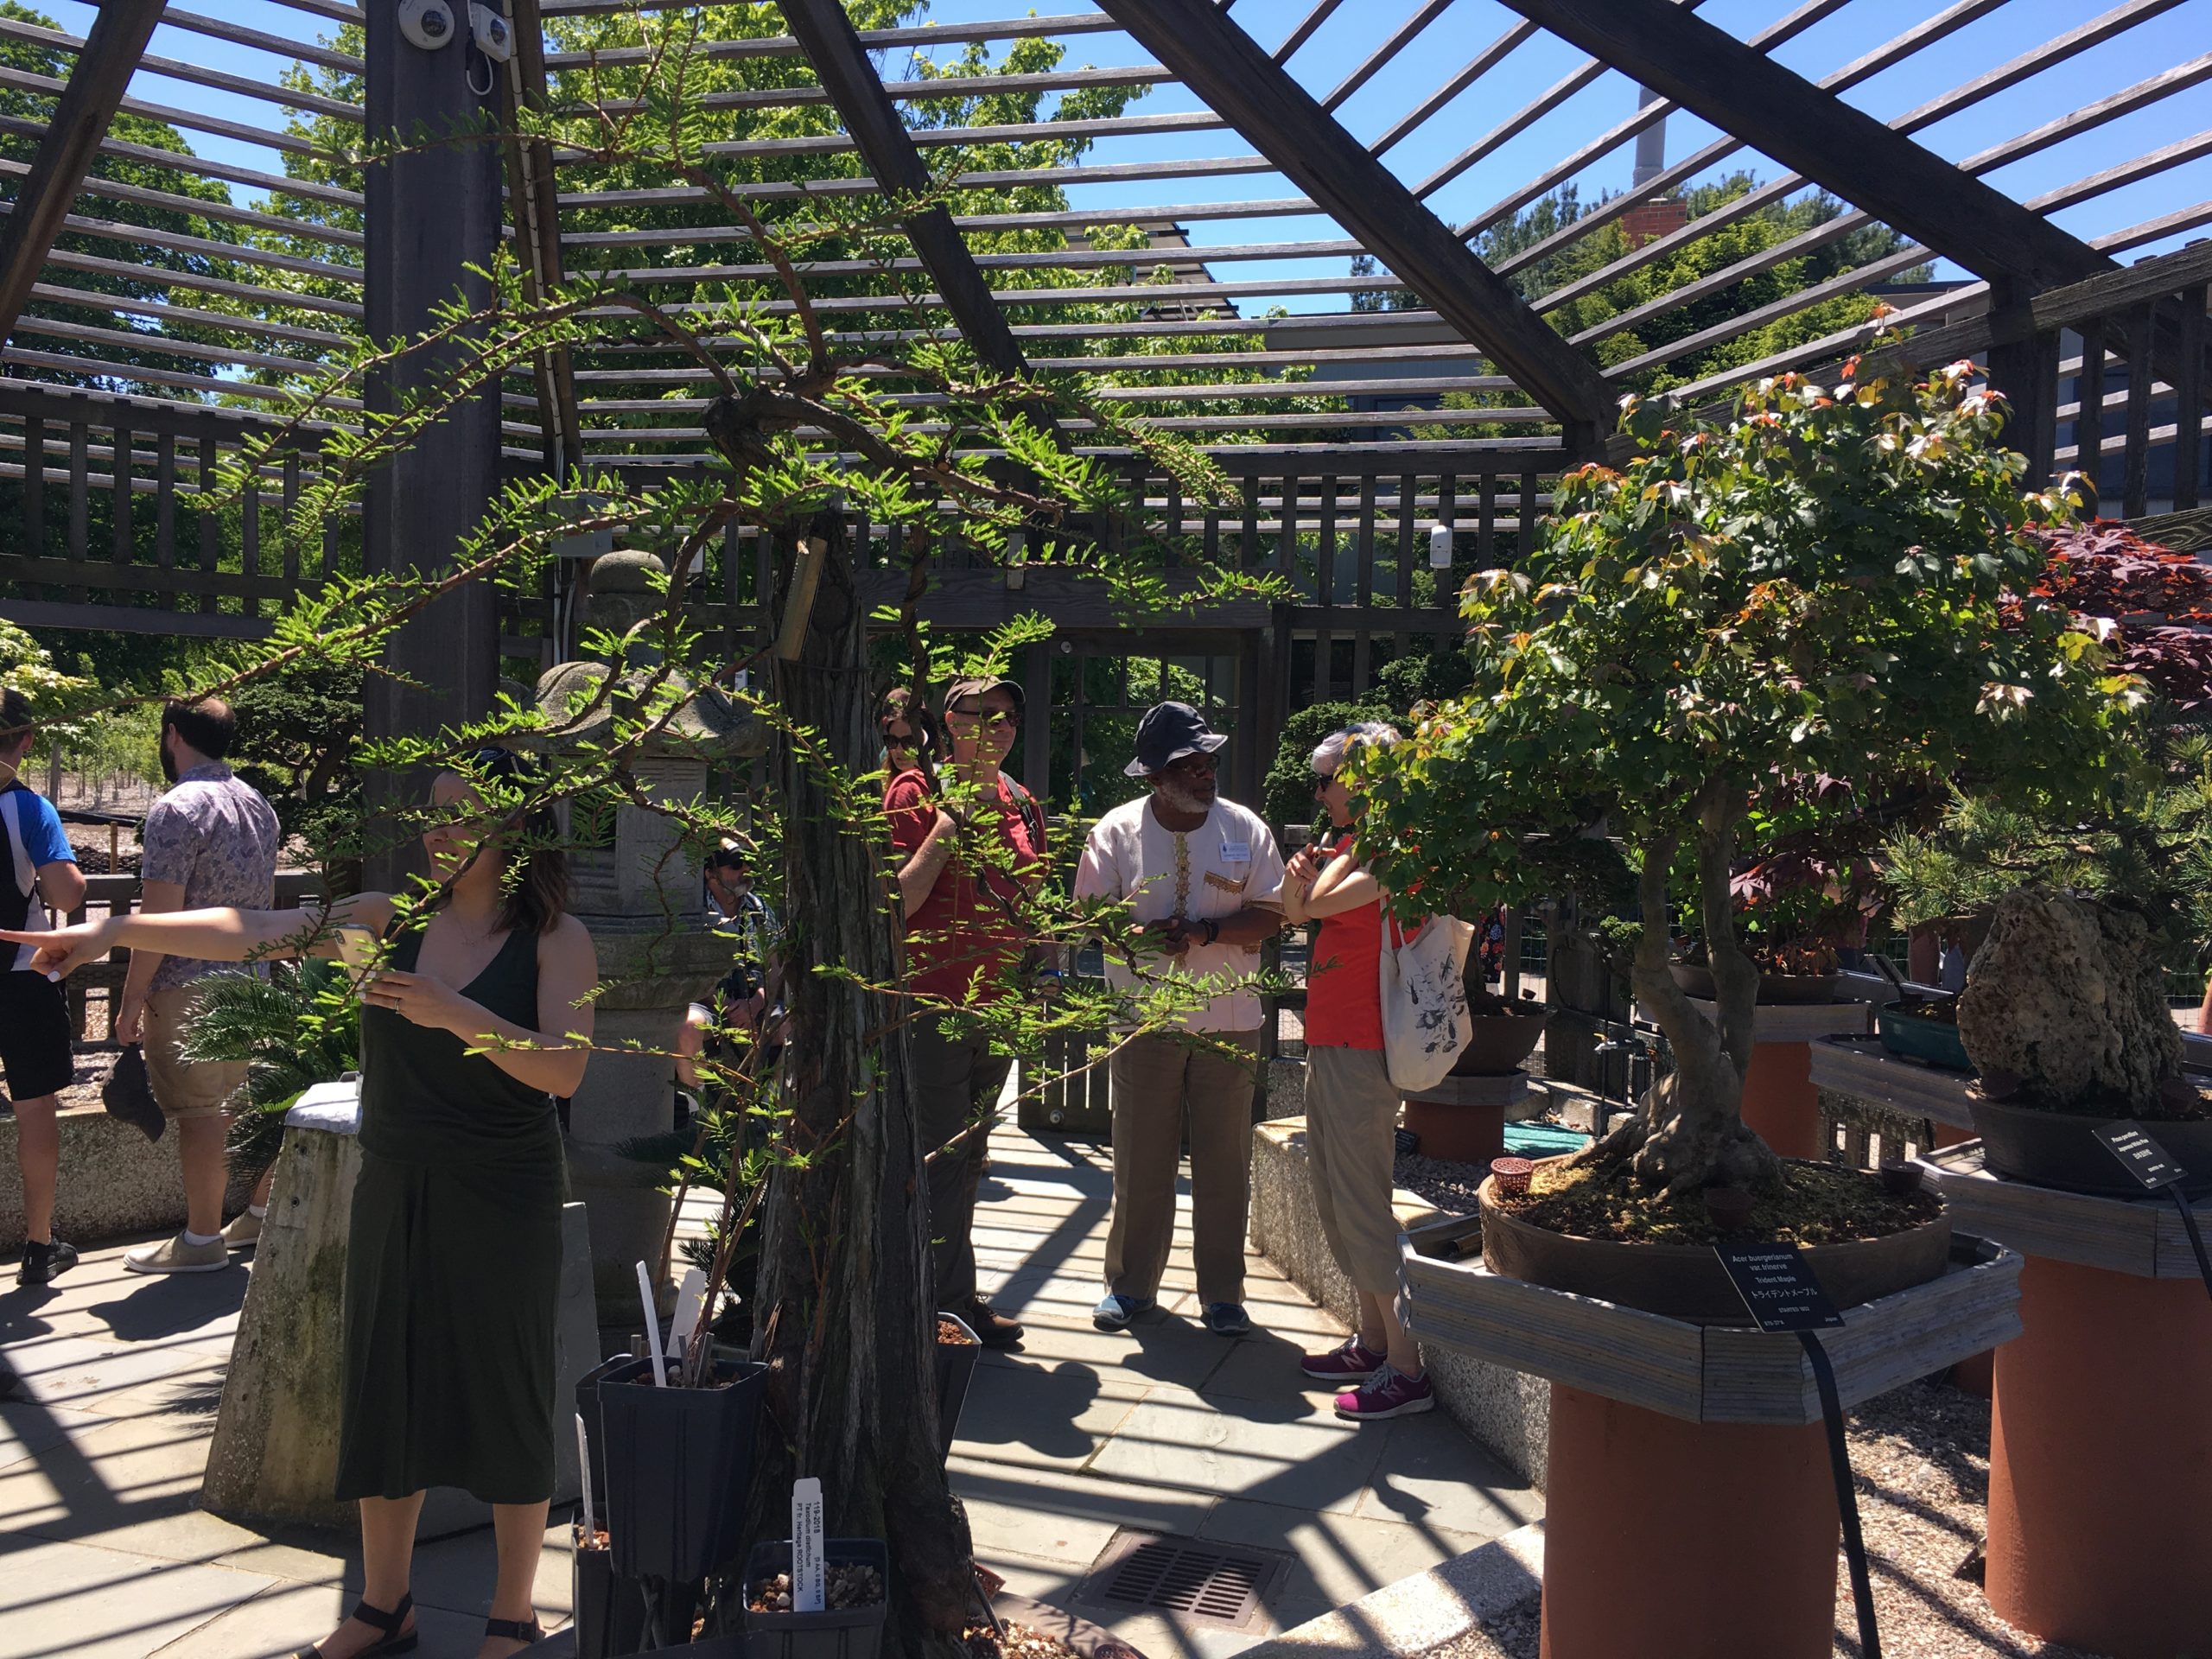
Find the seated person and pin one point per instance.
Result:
(750, 995)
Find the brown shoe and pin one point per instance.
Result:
(243, 1232)
(992, 1329)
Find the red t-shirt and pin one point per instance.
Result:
(1344, 987)
(961, 940)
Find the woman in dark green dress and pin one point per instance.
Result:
(453, 1261)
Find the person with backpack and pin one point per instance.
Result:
(36, 1053)
(965, 944)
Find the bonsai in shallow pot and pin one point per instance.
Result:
(1834, 583)
(1829, 585)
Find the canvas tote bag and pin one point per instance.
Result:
(1425, 1020)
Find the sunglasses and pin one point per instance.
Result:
(996, 720)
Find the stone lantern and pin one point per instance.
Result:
(640, 893)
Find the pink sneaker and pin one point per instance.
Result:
(1353, 1362)
(1387, 1394)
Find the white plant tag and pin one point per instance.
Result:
(690, 1296)
(806, 1546)
(652, 1327)
(583, 1477)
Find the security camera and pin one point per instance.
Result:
(428, 24)
(495, 35)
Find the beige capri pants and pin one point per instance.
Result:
(1352, 1118)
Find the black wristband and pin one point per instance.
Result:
(1213, 931)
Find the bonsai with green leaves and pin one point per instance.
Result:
(1833, 582)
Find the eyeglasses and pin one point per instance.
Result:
(1191, 764)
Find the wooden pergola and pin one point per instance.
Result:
(2104, 360)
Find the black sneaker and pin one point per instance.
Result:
(43, 1263)
(992, 1328)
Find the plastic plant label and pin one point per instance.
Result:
(691, 1298)
(807, 1582)
(2141, 1156)
(1779, 1286)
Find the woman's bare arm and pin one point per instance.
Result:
(220, 935)
(1341, 886)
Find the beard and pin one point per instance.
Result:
(168, 763)
(1185, 797)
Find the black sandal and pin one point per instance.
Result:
(395, 1639)
(514, 1630)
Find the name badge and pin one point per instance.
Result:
(1236, 851)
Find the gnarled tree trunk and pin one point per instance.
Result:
(1690, 1133)
(844, 1316)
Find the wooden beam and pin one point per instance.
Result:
(81, 116)
(825, 33)
(1746, 93)
(1218, 60)
(533, 195)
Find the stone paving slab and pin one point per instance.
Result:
(1164, 1428)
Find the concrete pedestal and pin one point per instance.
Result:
(275, 1454)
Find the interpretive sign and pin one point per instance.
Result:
(1778, 1287)
(2141, 1156)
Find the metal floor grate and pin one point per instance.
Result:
(1208, 1583)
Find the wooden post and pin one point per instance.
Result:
(429, 214)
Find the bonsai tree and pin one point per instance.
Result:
(2102, 913)
(1832, 582)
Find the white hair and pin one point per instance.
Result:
(1329, 753)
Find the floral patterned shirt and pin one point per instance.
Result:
(213, 834)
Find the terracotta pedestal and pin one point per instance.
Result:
(1462, 1120)
(2100, 1463)
(1671, 1540)
(1459, 1135)
(1780, 1104)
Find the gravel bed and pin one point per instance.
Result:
(1922, 1457)
(1449, 1187)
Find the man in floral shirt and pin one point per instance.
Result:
(211, 841)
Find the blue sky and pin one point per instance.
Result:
(2177, 36)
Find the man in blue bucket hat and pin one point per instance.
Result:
(1203, 879)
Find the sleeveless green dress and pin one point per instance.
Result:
(452, 1270)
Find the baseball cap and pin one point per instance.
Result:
(978, 686)
(1167, 733)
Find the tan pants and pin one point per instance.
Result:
(1153, 1077)
(1351, 1115)
(184, 1088)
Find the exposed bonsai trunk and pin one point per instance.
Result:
(844, 1314)
(1690, 1132)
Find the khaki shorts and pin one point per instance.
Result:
(182, 1089)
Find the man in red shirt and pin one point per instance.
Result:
(965, 945)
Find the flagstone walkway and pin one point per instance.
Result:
(104, 1554)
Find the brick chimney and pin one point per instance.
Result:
(1648, 220)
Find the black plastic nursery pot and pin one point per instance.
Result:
(679, 1462)
(610, 1610)
(955, 1370)
(849, 1633)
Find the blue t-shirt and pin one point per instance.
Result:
(34, 834)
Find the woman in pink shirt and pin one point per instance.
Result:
(1352, 1106)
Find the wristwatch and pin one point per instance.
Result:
(1213, 930)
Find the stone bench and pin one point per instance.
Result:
(115, 1184)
